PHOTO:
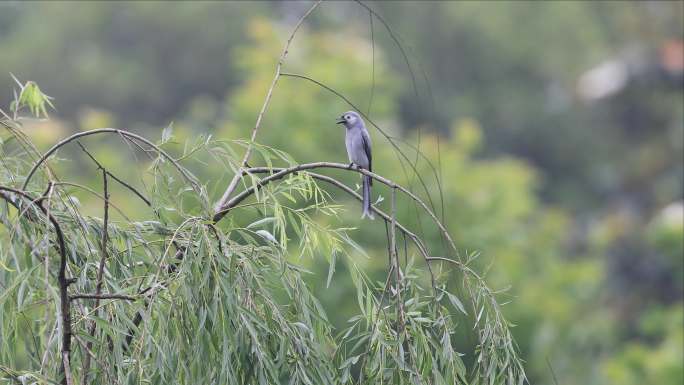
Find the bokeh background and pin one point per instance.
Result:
(557, 129)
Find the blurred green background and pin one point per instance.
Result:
(557, 127)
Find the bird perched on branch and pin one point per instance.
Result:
(359, 152)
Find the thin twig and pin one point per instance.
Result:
(121, 182)
(103, 258)
(282, 172)
(414, 238)
(65, 304)
(238, 175)
(131, 136)
(553, 374)
(389, 138)
(102, 296)
(372, 35)
(395, 261)
(48, 309)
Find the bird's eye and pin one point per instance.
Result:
(347, 117)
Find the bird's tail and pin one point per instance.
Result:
(367, 211)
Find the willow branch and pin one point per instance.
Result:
(395, 262)
(65, 304)
(129, 135)
(386, 217)
(102, 296)
(234, 182)
(100, 271)
(121, 182)
(280, 173)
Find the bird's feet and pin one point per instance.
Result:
(351, 165)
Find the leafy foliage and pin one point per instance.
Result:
(178, 298)
(567, 198)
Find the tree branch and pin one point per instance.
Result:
(408, 233)
(395, 262)
(123, 133)
(65, 304)
(121, 182)
(103, 258)
(233, 183)
(102, 296)
(282, 172)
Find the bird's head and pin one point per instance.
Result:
(349, 119)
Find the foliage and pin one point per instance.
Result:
(576, 204)
(179, 298)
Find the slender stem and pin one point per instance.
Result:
(102, 296)
(100, 270)
(395, 262)
(414, 238)
(65, 304)
(121, 182)
(129, 135)
(234, 182)
(282, 172)
(66, 368)
(48, 310)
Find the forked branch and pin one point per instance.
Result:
(221, 204)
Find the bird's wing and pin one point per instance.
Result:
(367, 148)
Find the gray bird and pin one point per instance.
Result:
(359, 151)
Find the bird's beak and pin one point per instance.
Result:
(340, 120)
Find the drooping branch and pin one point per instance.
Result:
(234, 182)
(395, 262)
(100, 271)
(121, 182)
(129, 135)
(172, 267)
(65, 304)
(417, 241)
(280, 173)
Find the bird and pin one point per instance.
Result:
(358, 145)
